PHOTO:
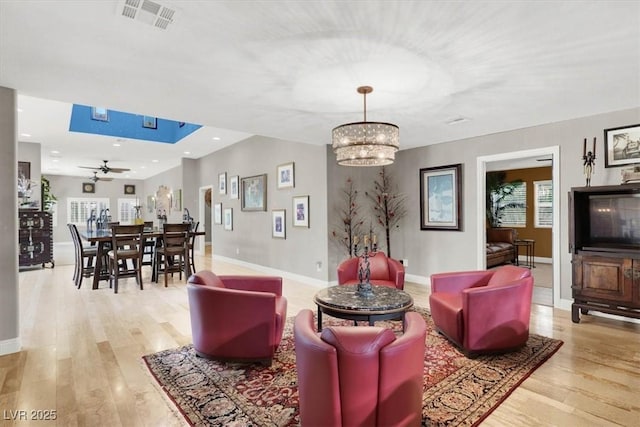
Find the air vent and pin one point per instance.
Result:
(150, 12)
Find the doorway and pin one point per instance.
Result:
(524, 157)
(205, 213)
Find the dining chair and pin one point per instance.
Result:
(172, 255)
(82, 253)
(192, 245)
(127, 243)
(148, 252)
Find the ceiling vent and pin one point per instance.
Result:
(149, 12)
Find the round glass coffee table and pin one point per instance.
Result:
(342, 302)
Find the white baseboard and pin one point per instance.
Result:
(9, 346)
(272, 271)
(414, 278)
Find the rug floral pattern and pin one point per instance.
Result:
(458, 391)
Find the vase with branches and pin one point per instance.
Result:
(389, 205)
(349, 222)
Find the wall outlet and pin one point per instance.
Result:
(405, 262)
(319, 266)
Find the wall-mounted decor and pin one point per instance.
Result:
(285, 175)
(99, 113)
(621, 146)
(440, 203)
(228, 219)
(301, 211)
(24, 169)
(222, 183)
(88, 187)
(164, 200)
(129, 189)
(234, 189)
(254, 193)
(278, 224)
(217, 213)
(177, 200)
(151, 204)
(149, 122)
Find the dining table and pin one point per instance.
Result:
(102, 237)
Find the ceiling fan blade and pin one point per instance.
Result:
(117, 170)
(105, 179)
(89, 167)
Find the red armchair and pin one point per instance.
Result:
(360, 375)
(385, 271)
(483, 311)
(238, 318)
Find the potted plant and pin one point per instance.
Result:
(497, 192)
(48, 199)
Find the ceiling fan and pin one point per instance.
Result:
(96, 178)
(106, 168)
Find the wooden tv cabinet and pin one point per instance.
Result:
(606, 275)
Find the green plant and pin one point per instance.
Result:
(48, 199)
(497, 192)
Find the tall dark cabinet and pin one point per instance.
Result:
(35, 238)
(604, 239)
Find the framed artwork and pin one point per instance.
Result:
(217, 213)
(99, 113)
(301, 211)
(621, 146)
(129, 189)
(254, 193)
(149, 122)
(177, 200)
(222, 183)
(228, 219)
(24, 170)
(88, 187)
(440, 190)
(285, 174)
(278, 224)
(234, 189)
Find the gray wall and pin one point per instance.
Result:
(9, 319)
(251, 240)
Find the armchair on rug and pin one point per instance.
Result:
(483, 311)
(385, 271)
(239, 318)
(358, 375)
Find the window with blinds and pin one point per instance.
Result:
(514, 207)
(543, 200)
(126, 211)
(79, 208)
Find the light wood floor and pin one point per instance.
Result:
(82, 349)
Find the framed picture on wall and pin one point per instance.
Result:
(228, 219)
(621, 146)
(222, 183)
(234, 189)
(217, 213)
(129, 189)
(278, 224)
(254, 193)
(301, 211)
(440, 202)
(88, 187)
(285, 174)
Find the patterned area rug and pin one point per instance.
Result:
(458, 391)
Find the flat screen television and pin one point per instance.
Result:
(614, 220)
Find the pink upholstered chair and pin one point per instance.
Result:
(385, 271)
(360, 375)
(483, 311)
(239, 318)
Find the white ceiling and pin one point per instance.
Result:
(289, 69)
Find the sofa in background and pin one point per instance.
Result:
(500, 246)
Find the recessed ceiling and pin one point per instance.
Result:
(290, 69)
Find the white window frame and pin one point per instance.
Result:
(85, 205)
(543, 199)
(519, 195)
(126, 210)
